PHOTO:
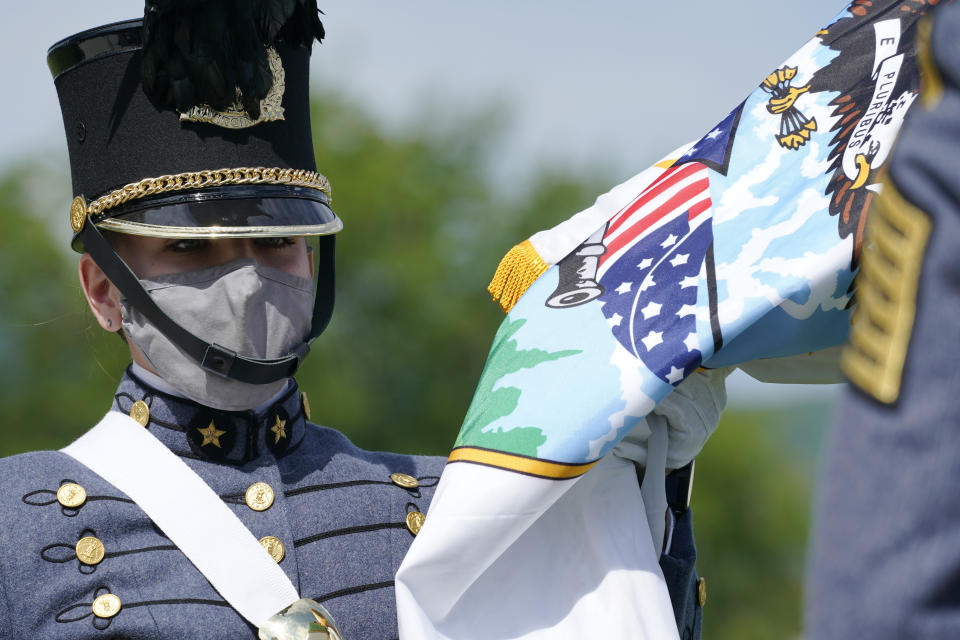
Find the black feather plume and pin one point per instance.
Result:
(200, 52)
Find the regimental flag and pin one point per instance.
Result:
(738, 247)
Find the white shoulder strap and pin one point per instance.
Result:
(188, 511)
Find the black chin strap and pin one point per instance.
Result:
(214, 357)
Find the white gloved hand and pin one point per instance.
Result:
(671, 436)
(692, 413)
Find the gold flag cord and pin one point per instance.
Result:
(517, 271)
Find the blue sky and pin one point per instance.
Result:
(612, 81)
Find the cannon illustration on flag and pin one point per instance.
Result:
(578, 274)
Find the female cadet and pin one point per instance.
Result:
(205, 502)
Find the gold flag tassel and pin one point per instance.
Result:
(517, 271)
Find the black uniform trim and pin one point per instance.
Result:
(129, 552)
(352, 590)
(333, 533)
(425, 481)
(89, 611)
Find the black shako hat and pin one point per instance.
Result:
(144, 168)
(195, 123)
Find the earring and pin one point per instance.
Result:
(109, 322)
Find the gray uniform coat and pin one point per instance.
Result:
(338, 514)
(886, 546)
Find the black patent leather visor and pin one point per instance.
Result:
(262, 213)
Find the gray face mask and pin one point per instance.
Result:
(257, 311)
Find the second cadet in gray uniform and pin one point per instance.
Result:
(886, 558)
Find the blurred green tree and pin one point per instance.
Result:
(751, 504)
(424, 228)
(58, 369)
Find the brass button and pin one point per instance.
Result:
(306, 404)
(89, 550)
(415, 521)
(71, 495)
(78, 213)
(259, 496)
(702, 591)
(403, 480)
(274, 547)
(140, 412)
(106, 606)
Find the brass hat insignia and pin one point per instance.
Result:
(236, 117)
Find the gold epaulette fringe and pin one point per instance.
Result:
(517, 271)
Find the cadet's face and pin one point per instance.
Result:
(151, 257)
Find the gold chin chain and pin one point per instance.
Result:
(196, 180)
